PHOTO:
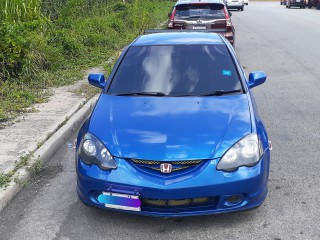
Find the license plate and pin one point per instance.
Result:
(120, 201)
(199, 27)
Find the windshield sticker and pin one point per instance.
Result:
(226, 73)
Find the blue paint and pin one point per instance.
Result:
(167, 129)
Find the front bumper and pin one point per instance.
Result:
(249, 184)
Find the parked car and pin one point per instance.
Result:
(296, 3)
(235, 4)
(175, 131)
(314, 3)
(207, 14)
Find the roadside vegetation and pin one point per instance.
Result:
(45, 43)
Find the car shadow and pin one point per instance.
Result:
(137, 226)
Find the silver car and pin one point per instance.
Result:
(235, 4)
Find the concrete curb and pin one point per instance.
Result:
(45, 152)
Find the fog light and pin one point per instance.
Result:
(234, 199)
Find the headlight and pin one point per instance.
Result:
(247, 152)
(92, 151)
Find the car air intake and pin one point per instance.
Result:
(176, 165)
(188, 202)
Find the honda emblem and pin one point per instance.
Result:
(199, 21)
(165, 168)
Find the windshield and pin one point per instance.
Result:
(174, 70)
(203, 11)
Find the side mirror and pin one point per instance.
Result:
(97, 80)
(256, 78)
(169, 15)
(230, 13)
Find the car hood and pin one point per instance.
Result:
(170, 128)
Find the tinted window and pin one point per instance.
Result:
(176, 70)
(203, 11)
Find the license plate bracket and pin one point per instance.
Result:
(120, 201)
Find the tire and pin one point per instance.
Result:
(318, 6)
(242, 9)
(309, 4)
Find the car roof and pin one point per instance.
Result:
(198, 1)
(178, 38)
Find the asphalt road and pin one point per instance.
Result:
(285, 44)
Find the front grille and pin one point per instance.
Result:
(176, 165)
(177, 203)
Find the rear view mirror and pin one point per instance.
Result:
(256, 78)
(97, 80)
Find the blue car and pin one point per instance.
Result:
(175, 131)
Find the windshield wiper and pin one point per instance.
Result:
(161, 94)
(220, 92)
(157, 94)
(214, 93)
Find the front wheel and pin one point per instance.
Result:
(242, 9)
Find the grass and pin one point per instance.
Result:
(19, 10)
(4, 180)
(51, 43)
